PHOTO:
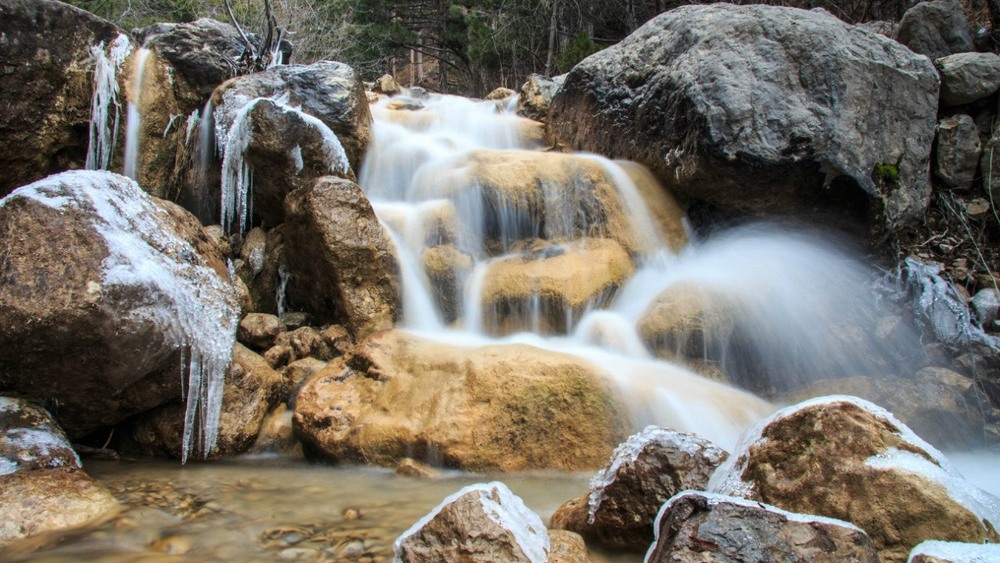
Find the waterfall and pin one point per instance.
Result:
(134, 114)
(105, 108)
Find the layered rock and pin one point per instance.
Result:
(50, 51)
(626, 495)
(695, 526)
(550, 287)
(251, 391)
(937, 29)
(505, 407)
(758, 108)
(110, 314)
(341, 259)
(480, 523)
(42, 485)
(845, 458)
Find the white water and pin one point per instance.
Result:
(105, 108)
(134, 114)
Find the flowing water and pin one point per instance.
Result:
(133, 119)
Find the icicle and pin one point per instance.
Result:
(105, 106)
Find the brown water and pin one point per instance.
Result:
(272, 509)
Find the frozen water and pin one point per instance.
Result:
(105, 109)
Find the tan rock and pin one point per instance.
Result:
(686, 321)
(567, 547)
(508, 408)
(447, 267)
(536, 95)
(276, 434)
(387, 85)
(337, 338)
(297, 373)
(500, 94)
(559, 280)
(260, 330)
(410, 467)
(845, 458)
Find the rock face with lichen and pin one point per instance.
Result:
(761, 108)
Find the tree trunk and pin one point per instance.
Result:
(994, 6)
(553, 33)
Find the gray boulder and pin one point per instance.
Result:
(967, 77)
(536, 95)
(958, 150)
(937, 29)
(698, 527)
(759, 108)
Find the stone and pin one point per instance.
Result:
(536, 95)
(276, 434)
(252, 390)
(756, 109)
(937, 29)
(497, 408)
(387, 85)
(943, 407)
(30, 439)
(260, 330)
(306, 342)
(484, 522)
(958, 149)
(278, 356)
(985, 304)
(626, 495)
(567, 547)
(846, 458)
(500, 94)
(329, 91)
(695, 527)
(689, 322)
(48, 85)
(447, 268)
(267, 286)
(296, 373)
(338, 339)
(550, 287)
(409, 467)
(967, 77)
(133, 284)
(932, 551)
(341, 259)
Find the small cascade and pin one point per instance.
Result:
(105, 109)
(134, 114)
(282, 293)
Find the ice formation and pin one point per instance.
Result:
(957, 552)
(508, 512)
(105, 108)
(187, 301)
(29, 443)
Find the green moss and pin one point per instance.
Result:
(886, 173)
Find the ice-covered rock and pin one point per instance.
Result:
(846, 458)
(479, 523)
(129, 307)
(30, 439)
(932, 551)
(696, 527)
(644, 471)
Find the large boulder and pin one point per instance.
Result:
(644, 471)
(99, 325)
(251, 391)
(759, 109)
(480, 523)
(967, 77)
(846, 458)
(50, 50)
(341, 259)
(549, 287)
(937, 29)
(42, 485)
(696, 527)
(504, 407)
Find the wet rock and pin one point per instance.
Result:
(251, 391)
(338, 339)
(942, 406)
(278, 356)
(741, 107)
(106, 313)
(306, 342)
(267, 285)
(536, 95)
(695, 526)
(958, 150)
(260, 330)
(967, 77)
(644, 471)
(297, 373)
(937, 29)
(340, 257)
(552, 285)
(500, 94)
(328, 91)
(686, 321)
(567, 547)
(953, 552)
(480, 523)
(387, 85)
(507, 408)
(404, 104)
(30, 439)
(447, 267)
(276, 434)
(47, 80)
(845, 458)
(409, 467)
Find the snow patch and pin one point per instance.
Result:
(190, 304)
(507, 511)
(957, 552)
(105, 109)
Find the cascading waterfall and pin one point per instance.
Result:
(105, 109)
(466, 176)
(134, 114)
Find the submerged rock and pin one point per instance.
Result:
(503, 407)
(50, 50)
(480, 523)
(696, 527)
(644, 471)
(761, 108)
(42, 485)
(341, 258)
(133, 294)
(846, 458)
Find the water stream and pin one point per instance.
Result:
(133, 119)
